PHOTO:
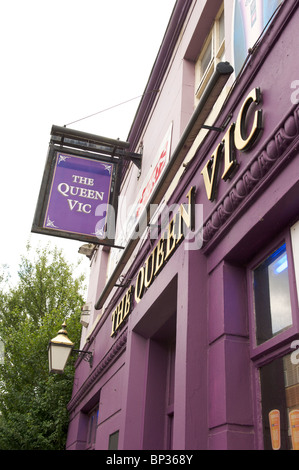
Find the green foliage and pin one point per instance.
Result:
(33, 404)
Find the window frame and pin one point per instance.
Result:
(272, 347)
(259, 398)
(202, 78)
(279, 345)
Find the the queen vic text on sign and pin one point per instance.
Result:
(76, 196)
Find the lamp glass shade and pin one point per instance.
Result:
(59, 350)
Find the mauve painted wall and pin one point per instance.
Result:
(214, 398)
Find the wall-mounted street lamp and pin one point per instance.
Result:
(59, 350)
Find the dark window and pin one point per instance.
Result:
(113, 441)
(280, 403)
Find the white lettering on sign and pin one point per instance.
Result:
(80, 207)
(74, 205)
(67, 190)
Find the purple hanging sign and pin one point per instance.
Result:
(79, 186)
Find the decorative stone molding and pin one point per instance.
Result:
(260, 169)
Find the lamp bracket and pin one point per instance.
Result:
(87, 355)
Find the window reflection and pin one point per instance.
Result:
(280, 404)
(272, 296)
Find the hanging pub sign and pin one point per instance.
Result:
(79, 190)
(75, 198)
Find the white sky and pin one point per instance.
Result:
(62, 60)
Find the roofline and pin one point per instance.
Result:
(168, 44)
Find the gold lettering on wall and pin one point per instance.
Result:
(210, 172)
(139, 287)
(230, 162)
(242, 142)
(122, 311)
(166, 246)
(237, 137)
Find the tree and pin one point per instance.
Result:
(33, 405)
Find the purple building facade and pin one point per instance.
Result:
(194, 325)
